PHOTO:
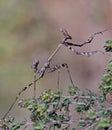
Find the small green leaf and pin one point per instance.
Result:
(108, 46)
(73, 91)
(80, 108)
(110, 66)
(91, 114)
(107, 77)
(15, 127)
(103, 123)
(40, 126)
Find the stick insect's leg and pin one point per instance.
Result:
(35, 86)
(88, 54)
(36, 71)
(69, 74)
(58, 79)
(89, 40)
(57, 67)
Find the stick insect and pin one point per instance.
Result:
(46, 67)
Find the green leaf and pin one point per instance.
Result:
(108, 46)
(15, 127)
(103, 123)
(80, 108)
(40, 126)
(91, 114)
(73, 91)
(110, 66)
(107, 77)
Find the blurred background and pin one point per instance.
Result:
(30, 29)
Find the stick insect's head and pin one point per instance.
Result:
(66, 34)
(35, 65)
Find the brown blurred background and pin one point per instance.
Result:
(30, 29)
